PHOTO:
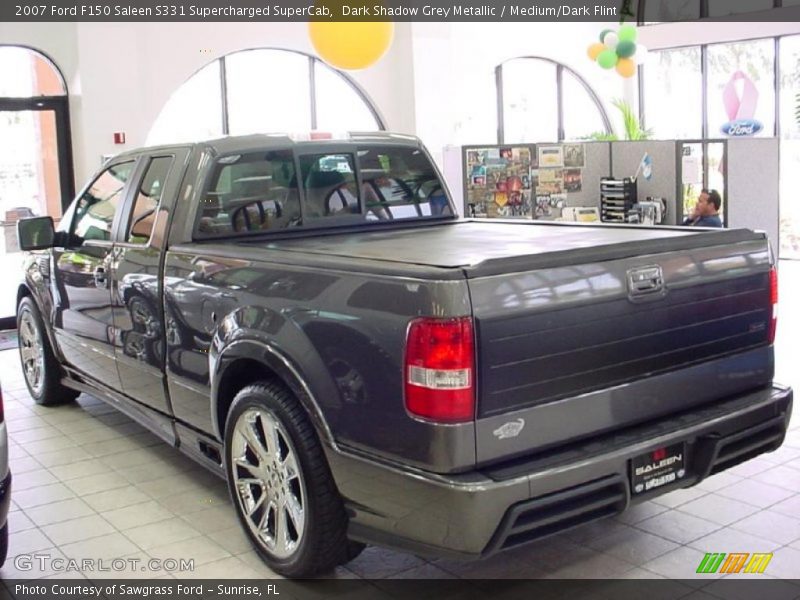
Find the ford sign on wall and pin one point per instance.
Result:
(741, 109)
(742, 127)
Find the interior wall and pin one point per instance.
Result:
(626, 158)
(597, 166)
(753, 186)
(120, 75)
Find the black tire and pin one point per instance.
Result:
(3, 544)
(322, 542)
(47, 391)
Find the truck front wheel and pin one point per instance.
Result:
(281, 485)
(39, 364)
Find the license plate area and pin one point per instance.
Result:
(658, 468)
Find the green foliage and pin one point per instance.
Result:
(602, 136)
(630, 122)
(633, 129)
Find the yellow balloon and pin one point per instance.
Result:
(595, 49)
(626, 67)
(350, 45)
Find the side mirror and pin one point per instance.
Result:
(36, 233)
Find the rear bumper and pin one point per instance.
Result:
(478, 513)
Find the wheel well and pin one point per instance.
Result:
(236, 377)
(22, 292)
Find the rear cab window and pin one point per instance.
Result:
(250, 193)
(269, 191)
(401, 183)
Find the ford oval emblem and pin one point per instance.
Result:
(741, 127)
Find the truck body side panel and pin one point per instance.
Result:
(342, 331)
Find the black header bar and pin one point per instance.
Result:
(385, 10)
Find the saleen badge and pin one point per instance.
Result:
(509, 430)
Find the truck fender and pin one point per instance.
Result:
(222, 355)
(45, 305)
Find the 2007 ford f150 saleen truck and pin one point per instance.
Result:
(312, 320)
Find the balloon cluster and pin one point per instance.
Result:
(618, 50)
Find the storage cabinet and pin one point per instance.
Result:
(617, 197)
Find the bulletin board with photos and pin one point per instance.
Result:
(530, 181)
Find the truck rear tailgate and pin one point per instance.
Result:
(591, 340)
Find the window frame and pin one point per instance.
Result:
(312, 63)
(560, 68)
(145, 161)
(776, 126)
(59, 104)
(71, 238)
(330, 223)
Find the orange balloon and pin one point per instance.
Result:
(595, 49)
(626, 67)
(351, 44)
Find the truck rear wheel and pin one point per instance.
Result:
(39, 365)
(281, 485)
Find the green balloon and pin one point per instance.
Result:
(603, 34)
(627, 33)
(626, 49)
(607, 59)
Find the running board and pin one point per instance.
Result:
(157, 423)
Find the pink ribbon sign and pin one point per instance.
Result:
(741, 110)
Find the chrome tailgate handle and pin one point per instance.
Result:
(645, 281)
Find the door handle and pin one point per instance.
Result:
(100, 278)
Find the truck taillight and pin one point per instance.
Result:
(773, 297)
(440, 369)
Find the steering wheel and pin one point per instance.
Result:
(346, 206)
(420, 193)
(248, 225)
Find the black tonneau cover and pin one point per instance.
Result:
(483, 248)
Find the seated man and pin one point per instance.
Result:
(706, 211)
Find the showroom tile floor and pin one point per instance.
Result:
(91, 483)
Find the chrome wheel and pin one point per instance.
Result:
(143, 316)
(268, 482)
(31, 352)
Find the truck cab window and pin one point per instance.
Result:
(400, 183)
(143, 215)
(330, 184)
(250, 193)
(95, 209)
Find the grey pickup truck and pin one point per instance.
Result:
(312, 321)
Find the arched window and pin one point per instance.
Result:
(25, 73)
(35, 156)
(264, 90)
(542, 100)
(35, 150)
